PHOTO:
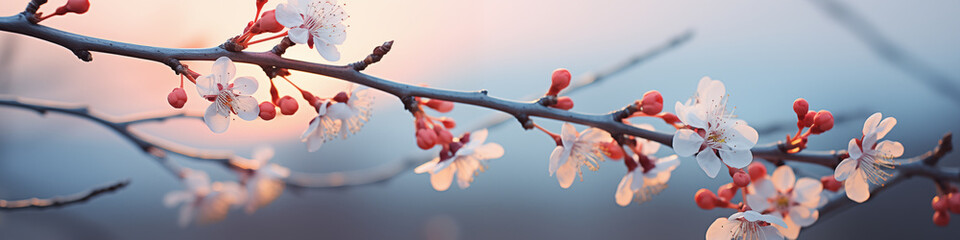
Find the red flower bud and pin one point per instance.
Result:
(440, 105)
(564, 103)
(830, 183)
(426, 138)
(341, 97)
(448, 122)
(808, 119)
(652, 103)
(443, 136)
(612, 150)
(267, 23)
(954, 201)
(940, 203)
(727, 191)
(941, 218)
(757, 171)
(741, 179)
(669, 118)
(177, 98)
(288, 105)
(705, 199)
(268, 111)
(76, 6)
(822, 122)
(560, 80)
(800, 106)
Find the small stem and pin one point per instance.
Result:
(284, 34)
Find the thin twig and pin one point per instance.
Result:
(57, 202)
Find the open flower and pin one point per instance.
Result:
(747, 225)
(229, 95)
(317, 23)
(644, 184)
(203, 201)
(868, 160)
(577, 149)
(716, 137)
(264, 180)
(465, 162)
(782, 194)
(343, 115)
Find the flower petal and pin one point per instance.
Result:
(246, 107)
(427, 166)
(288, 16)
(186, 215)
(783, 178)
(327, 50)
(772, 219)
(791, 231)
(857, 188)
(854, 150)
(770, 233)
(742, 137)
(207, 86)
(807, 192)
(871, 123)
(216, 121)
(172, 199)
(758, 202)
(885, 126)
(686, 142)
(890, 149)
(846, 168)
(223, 70)
(803, 216)
(568, 135)
(299, 35)
(555, 159)
(442, 179)
(720, 229)
(594, 135)
(245, 86)
(709, 162)
(736, 158)
(624, 194)
(764, 187)
(488, 151)
(566, 174)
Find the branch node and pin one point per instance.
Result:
(378, 53)
(944, 146)
(548, 100)
(525, 121)
(232, 46)
(484, 92)
(281, 48)
(31, 10)
(83, 55)
(409, 103)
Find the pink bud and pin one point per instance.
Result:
(341, 97)
(741, 179)
(564, 103)
(705, 199)
(830, 183)
(77, 6)
(954, 201)
(268, 111)
(808, 119)
(800, 106)
(267, 23)
(652, 103)
(288, 105)
(822, 122)
(426, 138)
(440, 105)
(727, 191)
(940, 203)
(448, 122)
(757, 171)
(177, 98)
(560, 80)
(941, 218)
(669, 118)
(612, 150)
(443, 136)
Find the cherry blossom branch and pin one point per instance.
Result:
(57, 202)
(924, 165)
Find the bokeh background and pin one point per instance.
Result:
(767, 52)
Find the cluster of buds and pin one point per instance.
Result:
(816, 122)
(287, 104)
(431, 131)
(707, 200)
(945, 204)
(560, 80)
(262, 23)
(72, 6)
(651, 105)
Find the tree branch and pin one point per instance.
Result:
(56, 202)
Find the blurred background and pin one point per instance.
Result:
(768, 53)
